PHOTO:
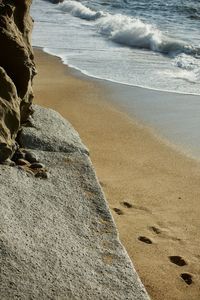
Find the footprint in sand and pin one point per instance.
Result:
(187, 278)
(145, 240)
(142, 208)
(177, 260)
(118, 211)
(127, 204)
(164, 233)
(155, 229)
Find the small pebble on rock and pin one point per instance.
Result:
(20, 168)
(37, 165)
(30, 172)
(18, 155)
(12, 163)
(42, 174)
(9, 162)
(22, 162)
(31, 157)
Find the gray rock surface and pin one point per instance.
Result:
(57, 237)
(49, 133)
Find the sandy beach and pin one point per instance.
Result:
(153, 191)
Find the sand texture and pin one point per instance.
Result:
(152, 190)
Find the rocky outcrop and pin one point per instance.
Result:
(57, 237)
(16, 71)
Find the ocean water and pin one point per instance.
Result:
(153, 44)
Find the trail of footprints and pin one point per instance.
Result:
(176, 259)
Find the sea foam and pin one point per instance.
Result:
(129, 31)
(133, 32)
(190, 65)
(79, 10)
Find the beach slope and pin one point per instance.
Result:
(153, 191)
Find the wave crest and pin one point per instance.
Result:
(79, 10)
(135, 33)
(129, 31)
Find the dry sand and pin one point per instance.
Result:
(153, 191)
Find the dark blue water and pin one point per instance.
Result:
(177, 18)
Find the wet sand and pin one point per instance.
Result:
(153, 191)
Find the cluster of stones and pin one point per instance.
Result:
(28, 162)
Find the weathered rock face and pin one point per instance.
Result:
(16, 71)
(57, 237)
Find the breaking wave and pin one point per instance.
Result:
(133, 32)
(129, 31)
(79, 10)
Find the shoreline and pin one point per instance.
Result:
(90, 77)
(150, 187)
(176, 137)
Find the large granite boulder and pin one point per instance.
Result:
(58, 239)
(16, 71)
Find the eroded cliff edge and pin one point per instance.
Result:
(16, 72)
